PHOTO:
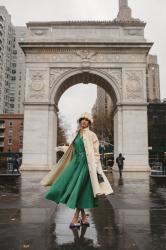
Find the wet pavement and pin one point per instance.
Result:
(133, 218)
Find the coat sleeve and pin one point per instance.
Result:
(96, 153)
(96, 147)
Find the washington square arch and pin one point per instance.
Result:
(110, 54)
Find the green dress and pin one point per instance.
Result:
(73, 187)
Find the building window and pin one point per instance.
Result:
(12, 99)
(11, 124)
(10, 149)
(10, 141)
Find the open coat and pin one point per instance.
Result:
(91, 144)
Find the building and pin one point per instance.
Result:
(104, 102)
(157, 131)
(102, 113)
(20, 33)
(12, 65)
(7, 52)
(11, 132)
(153, 79)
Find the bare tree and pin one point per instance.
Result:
(62, 129)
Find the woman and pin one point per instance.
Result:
(78, 178)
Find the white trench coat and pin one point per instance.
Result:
(91, 144)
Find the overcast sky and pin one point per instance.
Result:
(151, 11)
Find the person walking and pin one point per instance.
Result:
(78, 180)
(16, 164)
(120, 161)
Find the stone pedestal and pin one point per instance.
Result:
(40, 137)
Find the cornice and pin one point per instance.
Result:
(131, 22)
(59, 47)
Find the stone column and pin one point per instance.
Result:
(40, 137)
(40, 121)
(52, 136)
(118, 147)
(35, 143)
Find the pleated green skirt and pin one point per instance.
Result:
(73, 187)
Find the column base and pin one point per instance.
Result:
(145, 168)
(29, 167)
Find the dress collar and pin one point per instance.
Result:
(84, 129)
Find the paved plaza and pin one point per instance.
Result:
(133, 218)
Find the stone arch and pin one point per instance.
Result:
(98, 77)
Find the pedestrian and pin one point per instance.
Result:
(78, 179)
(15, 164)
(120, 161)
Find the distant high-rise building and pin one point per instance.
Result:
(7, 52)
(103, 103)
(153, 79)
(20, 33)
(157, 132)
(12, 65)
(102, 114)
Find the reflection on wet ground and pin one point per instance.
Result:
(134, 217)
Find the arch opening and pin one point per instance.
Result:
(104, 123)
(86, 78)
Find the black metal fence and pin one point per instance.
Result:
(6, 160)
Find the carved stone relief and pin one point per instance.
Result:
(75, 56)
(37, 85)
(86, 54)
(134, 88)
(114, 73)
(111, 58)
(39, 32)
(55, 73)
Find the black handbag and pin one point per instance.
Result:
(100, 178)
